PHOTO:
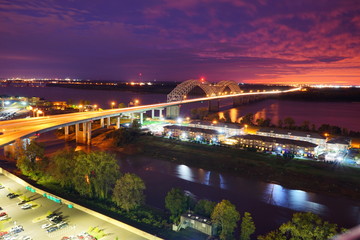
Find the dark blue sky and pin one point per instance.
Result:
(274, 41)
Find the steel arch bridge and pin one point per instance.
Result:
(180, 91)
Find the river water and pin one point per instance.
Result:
(269, 204)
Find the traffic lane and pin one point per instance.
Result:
(78, 221)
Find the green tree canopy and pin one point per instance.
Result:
(204, 207)
(226, 217)
(63, 165)
(95, 174)
(176, 203)
(247, 227)
(304, 226)
(31, 160)
(129, 191)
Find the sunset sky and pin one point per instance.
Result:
(274, 41)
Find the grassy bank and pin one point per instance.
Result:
(332, 179)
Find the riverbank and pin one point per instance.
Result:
(328, 178)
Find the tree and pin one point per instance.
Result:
(63, 164)
(280, 123)
(304, 226)
(247, 119)
(122, 105)
(176, 203)
(204, 207)
(31, 160)
(305, 126)
(129, 191)
(124, 136)
(95, 174)
(225, 216)
(289, 122)
(247, 227)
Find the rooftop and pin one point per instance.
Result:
(291, 132)
(191, 129)
(276, 140)
(218, 124)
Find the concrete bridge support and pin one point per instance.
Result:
(66, 129)
(214, 105)
(83, 133)
(108, 123)
(102, 122)
(153, 113)
(173, 112)
(118, 121)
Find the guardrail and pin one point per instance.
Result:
(70, 204)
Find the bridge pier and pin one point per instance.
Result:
(66, 129)
(173, 112)
(108, 123)
(102, 122)
(118, 121)
(214, 105)
(83, 135)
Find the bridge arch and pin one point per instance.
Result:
(222, 85)
(181, 90)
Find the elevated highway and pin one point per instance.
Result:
(23, 128)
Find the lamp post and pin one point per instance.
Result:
(112, 105)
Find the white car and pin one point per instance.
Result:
(4, 218)
(46, 225)
(26, 206)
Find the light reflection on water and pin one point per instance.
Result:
(201, 176)
(334, 113)
(293, 199)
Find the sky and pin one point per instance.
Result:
(251, 41)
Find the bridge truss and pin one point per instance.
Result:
(181, 91)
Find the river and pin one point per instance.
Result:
(269, 204)
(343, 114)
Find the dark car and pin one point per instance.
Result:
(52, 229)
(13, 196)
(56, 219)
(51, 215)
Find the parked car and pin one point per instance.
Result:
(52, 229)
(1, 187)
(6, 217)
(62, 225)
(26, 206)
(51, 215)
(46, 225)
(3, 214)
(56, 219)
(17, 229)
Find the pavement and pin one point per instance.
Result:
(32, 219)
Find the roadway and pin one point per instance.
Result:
(22, 128)
(33, 219)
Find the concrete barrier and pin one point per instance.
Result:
(82, 208)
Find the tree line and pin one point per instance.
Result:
(286, 123)
(96, 176)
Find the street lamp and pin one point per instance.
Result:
(80, 107)
(112, 104)
(95, 107)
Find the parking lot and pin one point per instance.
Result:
(30, 219)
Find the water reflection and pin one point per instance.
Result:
(202, 176)
(293, 199)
